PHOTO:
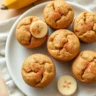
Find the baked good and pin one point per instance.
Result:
(84, 67)
(38, 70)
(29, 34)
(58, 14)
(63, 45)
(85, 27)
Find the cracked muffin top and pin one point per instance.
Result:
(58, 14)
(63, 45)
(84, 67)
(38, 70)
(24, 35)
(85, 26)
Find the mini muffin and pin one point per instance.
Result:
(84, 67)
(38, 71)
(31, 32)
(63, 45)
(58, 14)
(85, 27)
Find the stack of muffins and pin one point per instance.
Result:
(38, 70)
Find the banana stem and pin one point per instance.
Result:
(3, 7)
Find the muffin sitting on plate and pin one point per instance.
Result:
(38, 70)
(84, 67)
(58, 14)
(85, 27)
(31, 32)
(63, 45)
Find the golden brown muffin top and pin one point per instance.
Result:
(85, 26)
(64, 44)
(37, 69)
(24, 35)
(84, 67)
(59, 14)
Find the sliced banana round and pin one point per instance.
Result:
(67, 85)
(39, 29)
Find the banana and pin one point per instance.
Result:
(38, 29)
(67, 85)
(16, 4)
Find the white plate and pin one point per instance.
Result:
(16, 54)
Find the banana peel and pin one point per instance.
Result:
(16, 4)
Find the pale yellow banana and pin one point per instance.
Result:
(16, 4)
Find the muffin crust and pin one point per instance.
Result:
(63, 45)
(24, 35)
(38, 70)
(84, 67)
(58, 14)
(85, 27)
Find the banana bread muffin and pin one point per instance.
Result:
(63, 45)
(29, 33)
(38, 70)
(85, 26)
(58, 14)
(84, 67)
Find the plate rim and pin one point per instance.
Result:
(11, 31)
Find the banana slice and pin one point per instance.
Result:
(67, 85)
(39, 29)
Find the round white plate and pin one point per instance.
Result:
(16, 54)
